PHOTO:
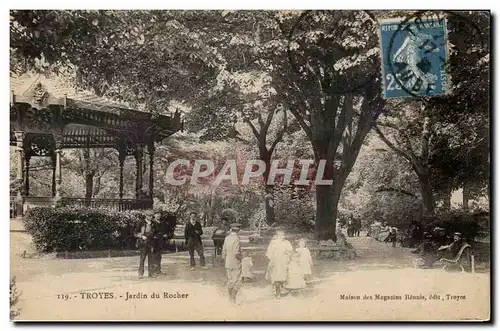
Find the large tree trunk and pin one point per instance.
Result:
(326, 207)
(447, 197)
(89, 187)
(269, 189)
(426, 192)
(326, 210)
(465, 198)
(424, 176)
(270, 216)
(447, 200)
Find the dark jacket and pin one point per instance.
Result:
(455, 247)
(193, 233)
(141, 229)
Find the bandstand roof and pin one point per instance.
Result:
(42, 107)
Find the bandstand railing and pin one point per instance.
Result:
(110, 204)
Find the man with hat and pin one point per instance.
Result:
(446, 251)
(193, 232)
(453, 248)
(231, 253)
(144, 232)
(158, 241)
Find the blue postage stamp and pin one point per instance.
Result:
(414, 54)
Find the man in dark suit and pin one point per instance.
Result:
(144, 231)
(447, 251)
(192, 233)
(158, 243)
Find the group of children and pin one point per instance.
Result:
(288, 268)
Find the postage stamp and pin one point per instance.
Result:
(414, 53)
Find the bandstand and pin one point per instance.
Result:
(43, 123)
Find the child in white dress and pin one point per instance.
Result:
(295, 278)
(247, 267)
(305, 259)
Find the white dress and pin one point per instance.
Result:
(305, 260)
(295, 278)
(246, 266)
(278, 254)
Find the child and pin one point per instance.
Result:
(305, 259)
(247, 266)
(295, 277)
(392, 237)
(278, 253)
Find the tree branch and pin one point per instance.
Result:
(302, 123)
(391, 145)
(392, 189)
(254, 129)
(281, 132)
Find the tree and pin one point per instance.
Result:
(91, 164)
(147, 58)
(445, 139)
(330, 86)
(246, 98)
(463, 117)
(318, 62)
(381, 186)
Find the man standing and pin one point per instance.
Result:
(192, 233)
(144, 232)
(158, 242)
(278, 253)
(231, 253)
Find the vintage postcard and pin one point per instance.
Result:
(250, 165)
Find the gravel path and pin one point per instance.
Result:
(56, 289)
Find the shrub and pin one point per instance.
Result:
(14, 298)
(71, 229)
(294, 212)
(470, 224)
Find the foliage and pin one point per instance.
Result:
(14, 298)
(127, 55)
(453, 152)
(381, 187)
(71, 229)
(235, 69)
(294, 209)
(470, 224)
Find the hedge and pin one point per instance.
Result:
(76, 228)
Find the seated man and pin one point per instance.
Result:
(445, 251)
(432, 241)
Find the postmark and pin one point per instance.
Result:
(415, 57)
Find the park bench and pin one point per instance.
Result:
(464, 252)
(332, 251)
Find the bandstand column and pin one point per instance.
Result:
(58, 151)
(138, 164)
(19, 175)
(53, 159)
(121, 158)
(151, 151)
